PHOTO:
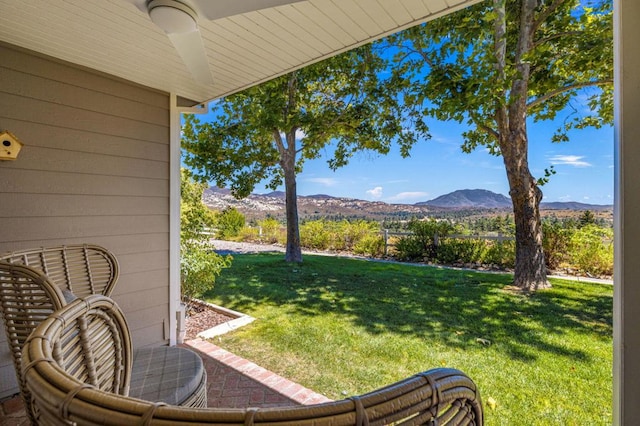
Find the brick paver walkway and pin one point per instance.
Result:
(235, 382)
(232, 382)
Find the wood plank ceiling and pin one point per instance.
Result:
(115, 37)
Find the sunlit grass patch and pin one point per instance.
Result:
(343, 327)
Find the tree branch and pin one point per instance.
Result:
(291, 92)
(549, 63)
(482, 126)
(338, 117)
(546, 13)
(409, 51)
(568, 88)
(500, 51)
(277, 138)
(555, 36)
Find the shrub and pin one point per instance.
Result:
(409, 248)
(271, 230)
(249, 234)
(342, 235)
(313, 234)
(199, 264)
(353, 233)
(454, 250)
(337, 234)
(555, 243)
(230, 222)
(199, 267)
(421, 244)
(591, 250)
(501, 254)
(370, 245)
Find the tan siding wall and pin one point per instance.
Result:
(94, 168)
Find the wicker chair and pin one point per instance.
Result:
(64, 392)
(35, 283)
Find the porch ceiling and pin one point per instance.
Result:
(117, 38)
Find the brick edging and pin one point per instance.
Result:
(279, 384)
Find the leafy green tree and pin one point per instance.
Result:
(199, 263)
(499, 63)
(587, 218)
(229, 222)
(195, 216)
(268, 131)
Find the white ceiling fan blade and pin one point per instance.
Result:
(191, 50)
(222, 8)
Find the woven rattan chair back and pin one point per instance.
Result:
(36, 282)
(89, 340)
(440, 396)
(82, 269)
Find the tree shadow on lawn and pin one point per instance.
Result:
(453, 306)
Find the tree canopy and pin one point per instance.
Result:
(495, 65)
(267, 132)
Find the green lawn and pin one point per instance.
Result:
(344, 326)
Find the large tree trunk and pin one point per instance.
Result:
(294, 252)
(288, 164)
(530, 269)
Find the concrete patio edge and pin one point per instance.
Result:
(239, 319)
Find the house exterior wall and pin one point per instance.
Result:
(94, 168)
(626, 320)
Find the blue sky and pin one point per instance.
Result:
(584, 168)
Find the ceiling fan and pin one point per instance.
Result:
(179, 20)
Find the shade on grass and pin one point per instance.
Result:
(345, 326)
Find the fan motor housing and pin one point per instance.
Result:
(172, 16)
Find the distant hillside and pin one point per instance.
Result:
(466, 202)
(258, 206)
(470, 198)
(572, 205)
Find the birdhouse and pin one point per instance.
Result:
(10, 146)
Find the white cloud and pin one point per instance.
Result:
(569, 160)
(445, 140)
(409, 196)
(299, 134)
(375, 192)
(323, 181)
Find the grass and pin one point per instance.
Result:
(344, 326)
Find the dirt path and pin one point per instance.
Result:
(232, 247)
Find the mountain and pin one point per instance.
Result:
(573, 205)
(219, 198)
(258, 206)
(469, 198)
(465, 202)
